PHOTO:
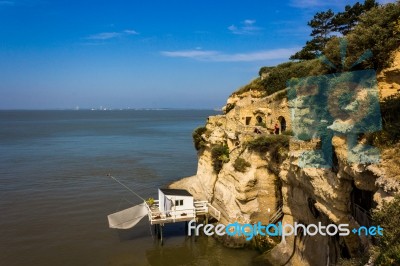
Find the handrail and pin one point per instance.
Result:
(277, 215)
(361, 215)
(199, 207)
(216, 214)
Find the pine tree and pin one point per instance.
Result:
(344, 22)
(321, 26)
(309, 51)
(324, 23)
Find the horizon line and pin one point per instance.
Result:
(112, 109)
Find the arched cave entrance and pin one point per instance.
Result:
(282, 123)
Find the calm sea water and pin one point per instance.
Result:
(55, 194)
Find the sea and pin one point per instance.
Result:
(56, 193)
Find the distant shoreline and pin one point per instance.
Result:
(119, 109)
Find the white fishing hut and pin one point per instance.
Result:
(173, 205)
(178, 201)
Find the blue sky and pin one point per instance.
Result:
(143, 54)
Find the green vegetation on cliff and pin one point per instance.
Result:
(278, 76)
(326, 24)
(388, 247)
(198, 141)
(241, 165)
(276, 145)
(219, 156)
(377, 30)
(281, 74)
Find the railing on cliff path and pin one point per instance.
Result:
(361, 215)
(277, 215)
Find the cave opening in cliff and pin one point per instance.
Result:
(311, 206)
(259, 119)
(248, 119)
(335, 162)
(282, 122)
(344, 250)
(361, 204)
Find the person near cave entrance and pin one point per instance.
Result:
(276, 129)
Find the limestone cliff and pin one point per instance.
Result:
(343, 193)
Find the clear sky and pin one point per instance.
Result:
(143, 54)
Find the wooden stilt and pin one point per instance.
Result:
(161, 234)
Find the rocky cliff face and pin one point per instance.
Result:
(338, 194)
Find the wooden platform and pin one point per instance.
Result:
(200, 208)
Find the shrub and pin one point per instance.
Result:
(264, 69)
(229, 107)
(255, 85)
(150, 201)
(288, 132)
(198, 140)
(388, 244)
(241, 165)
(276, 145)
(281, 74)
(219, 156)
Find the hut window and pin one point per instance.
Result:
(178, 202)
(259, 119)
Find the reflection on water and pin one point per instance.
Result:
(180, 249)
(55, 194)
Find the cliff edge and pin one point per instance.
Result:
(251, 175)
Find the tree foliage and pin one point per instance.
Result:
(377, 31)
(344, 22)
(326, 24)
(388, 244)
(310, 51)
(321, 26)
